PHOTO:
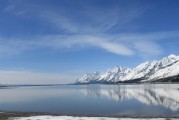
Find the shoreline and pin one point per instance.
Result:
(51, 116)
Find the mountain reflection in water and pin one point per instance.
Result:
(164, 95)
(137, 100)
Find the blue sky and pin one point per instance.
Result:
(57, 41)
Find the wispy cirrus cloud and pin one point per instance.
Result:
(121, 44)
(147, 48)
(85, 25)
(83, 17)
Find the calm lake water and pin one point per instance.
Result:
(105, 100)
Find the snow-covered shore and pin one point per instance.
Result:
(84, 118)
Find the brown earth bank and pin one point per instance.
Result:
(6, 115)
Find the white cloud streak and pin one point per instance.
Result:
(106, 44)
(147, 48)
(121, 44)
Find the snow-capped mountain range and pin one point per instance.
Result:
(164, 70)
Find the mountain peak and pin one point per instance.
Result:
(172, 56)
(117, 69)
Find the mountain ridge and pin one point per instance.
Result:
(149, 71)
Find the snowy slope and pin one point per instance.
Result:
(115, 74)
(89, 77)
(145, 72)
